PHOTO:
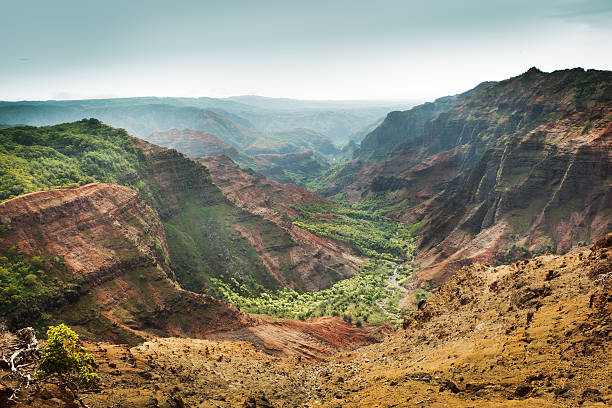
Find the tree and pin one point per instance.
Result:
(64, 362)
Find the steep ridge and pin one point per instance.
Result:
(139, 116)
(271, 200)
(269, 256)
(208, 236)
(196, 143)
(295, 155)
(308, 126)
(117, 278)
(532, 333)
(115, 281)
(401, 127)
(494, 177)
(376, 163)
(544, 192)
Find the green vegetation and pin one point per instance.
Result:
(198, 221)
(298, 168)
(420, 294)
(22, 278)
(203, 242)
(363, 298)
(339, 176)
(71, 154)
(206, 251)
(65, 361)
(368, 297)
(372, 234)
(513, 252)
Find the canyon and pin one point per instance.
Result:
(494, 175)
(474, 229)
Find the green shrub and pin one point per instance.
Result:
(361, 297)
(420, 294)
(63, 359)
(67, 155)
(30, 279)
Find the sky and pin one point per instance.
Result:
(308, 49)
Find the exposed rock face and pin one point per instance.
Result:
(512, 169)
(116, 262)
(44, 222)
(200, 224)
(547, 191)
(404, 127)
(213, 235)
(310, 254)
(208, 236)
(118, 285)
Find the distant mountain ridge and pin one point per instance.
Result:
(399, 127)
(337, 119)
(277, 127)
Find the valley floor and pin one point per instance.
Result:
(534, 333)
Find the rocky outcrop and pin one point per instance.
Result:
(544, 192)
(40, 223)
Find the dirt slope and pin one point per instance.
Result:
(535, 333)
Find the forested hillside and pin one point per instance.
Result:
(202, 226)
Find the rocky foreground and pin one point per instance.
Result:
(534, 333)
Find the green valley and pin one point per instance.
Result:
(372, 296)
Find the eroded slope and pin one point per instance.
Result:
(532, 333)
(115, 282)
(208, 236)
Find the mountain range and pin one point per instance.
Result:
(252, 125)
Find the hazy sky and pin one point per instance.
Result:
(331, 49)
